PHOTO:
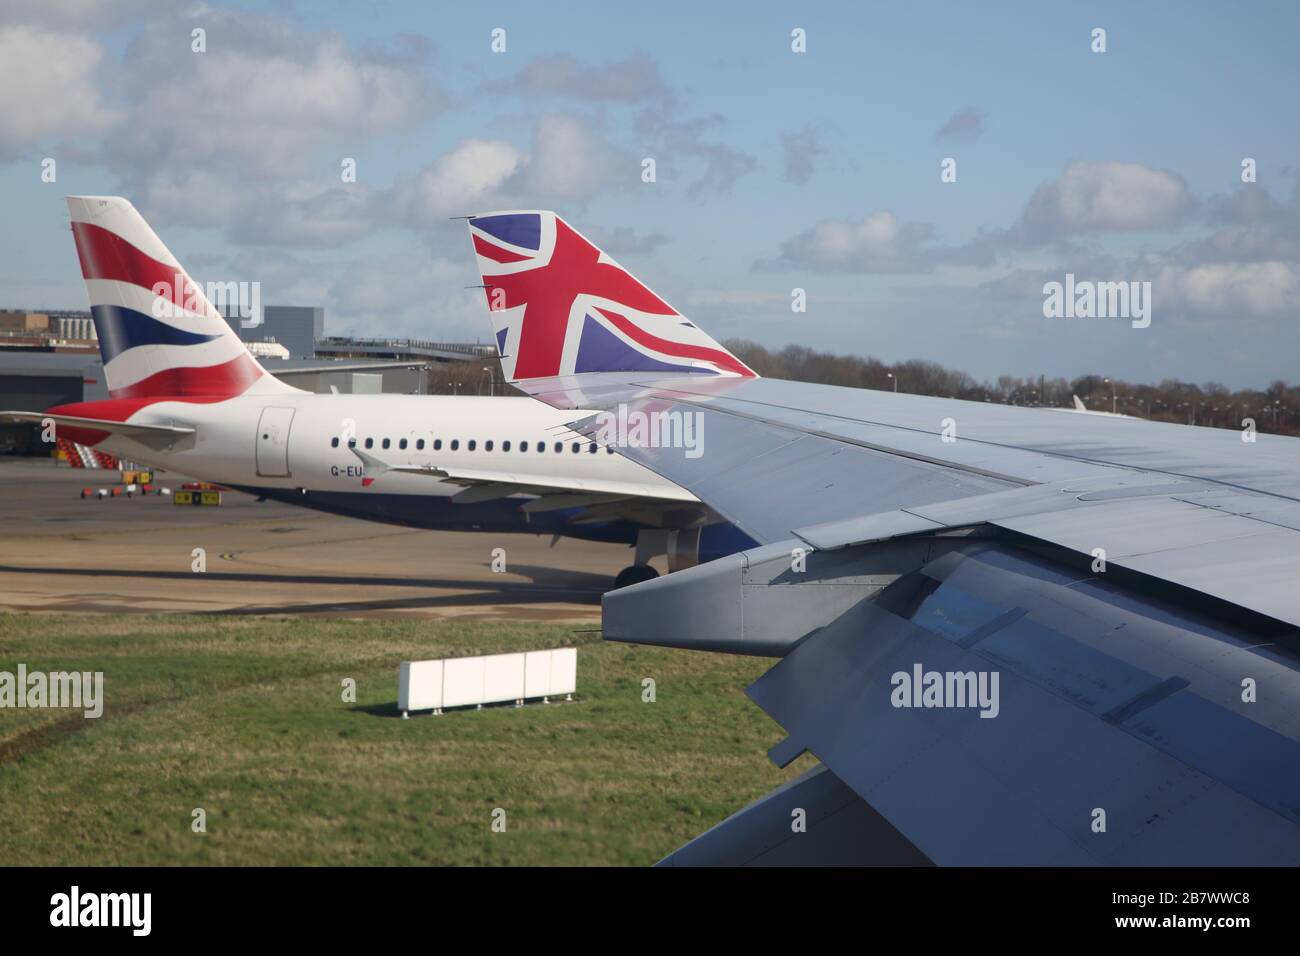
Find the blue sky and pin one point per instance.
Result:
(775, 170)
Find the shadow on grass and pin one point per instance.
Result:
(379, 710)
(389, 709)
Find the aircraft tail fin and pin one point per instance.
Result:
(561, 306)
(159, 335)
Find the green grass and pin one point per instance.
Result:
(244, 718)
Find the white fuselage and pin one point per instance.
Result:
(301, 441)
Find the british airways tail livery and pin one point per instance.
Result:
(158, 334)
(561, 306)
(185, 395)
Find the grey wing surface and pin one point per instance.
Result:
(1131, 584)
(1007, 635)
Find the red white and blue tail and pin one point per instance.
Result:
(159, 335)
(560, 306)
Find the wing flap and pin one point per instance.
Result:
(1182, 771)
(839, 830)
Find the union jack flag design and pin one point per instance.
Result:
(561, 306)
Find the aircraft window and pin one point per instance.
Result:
(559, 447)
(370, 443)
(577, 447)
(541, 446)
(455, 444)
(419, 444)
(487, 445)
(471, 445)
(352, 443)
(591, 449)
(402, 443)
(437, 444)
(387, 443)
(523, 446)
(334, 442)
(610, 450)
(505, 446)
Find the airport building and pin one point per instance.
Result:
(296, 327)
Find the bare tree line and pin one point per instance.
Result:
(1273, 409)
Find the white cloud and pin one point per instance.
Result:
(1098, 197)
(1229, 289)
(262, 102)
(308, 215)
(408, 296)
(466, 180)
(236, 136)
(403, 295)
(879, 243)
(198, 197)
(50, 87)
(569, 162)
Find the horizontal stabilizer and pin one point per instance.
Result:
(130, 429)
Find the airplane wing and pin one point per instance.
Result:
(659, 505)
(1008, 636)
(527, 483)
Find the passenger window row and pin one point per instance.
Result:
(472, 445)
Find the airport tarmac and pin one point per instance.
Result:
(59, 552)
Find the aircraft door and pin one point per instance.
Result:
(273, 442)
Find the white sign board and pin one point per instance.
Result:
(496, 678)
(419, 686)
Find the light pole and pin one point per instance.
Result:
(492, 380)
(895, 378)
(1113, 409)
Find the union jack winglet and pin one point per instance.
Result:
(560, 306)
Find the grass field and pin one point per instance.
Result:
(244, 718)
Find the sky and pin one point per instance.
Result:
(775, 169)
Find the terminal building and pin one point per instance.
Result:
(296, 327)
